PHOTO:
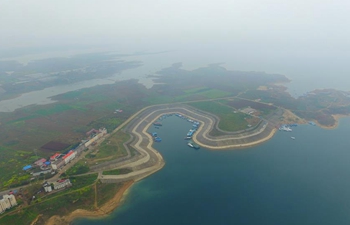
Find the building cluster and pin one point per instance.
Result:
(59, 160)
(94, 135)
(7, 202)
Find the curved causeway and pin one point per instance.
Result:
(150, 160)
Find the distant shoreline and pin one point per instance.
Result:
(336, 117)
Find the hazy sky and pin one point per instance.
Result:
(275, 23)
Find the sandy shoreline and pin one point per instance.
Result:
(103, 211)
(336, 117)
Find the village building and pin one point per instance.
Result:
(55, 157)
(7, 202)
(70, 156)
(57, 164)
(27, 167)
(40, 162)
(42, 172)
(97, 135)
(47, 187)
(61, 184)
(80, 148)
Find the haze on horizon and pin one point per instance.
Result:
(299, 23)
(298, 38)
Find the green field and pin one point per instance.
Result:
(229, 121)
(111, 148)
(78, 168)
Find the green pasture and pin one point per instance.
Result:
(111, 148)
(117, 171)
(78, 168)
(229, 121)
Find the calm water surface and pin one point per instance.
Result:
(305, 181)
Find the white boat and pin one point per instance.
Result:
(292, 138)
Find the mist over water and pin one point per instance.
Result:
(309, 68)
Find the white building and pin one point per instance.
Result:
(102, 132)
(7, 202)
(57, 164)
(62, 184)
(47, 187)
(70, 156)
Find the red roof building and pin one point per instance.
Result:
(68, 154)
(54, 157)
(40, 162)
(71, 155)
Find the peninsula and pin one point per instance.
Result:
(234, 110)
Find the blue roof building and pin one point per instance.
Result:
(27, 167)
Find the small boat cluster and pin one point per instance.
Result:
(155, 137)
(157, 124)
(312, 123)
(195, 126)
(192, 145)
(288, 128)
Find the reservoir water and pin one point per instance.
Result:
(283, 181)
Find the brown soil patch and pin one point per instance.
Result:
(54, 146)
(289, 117)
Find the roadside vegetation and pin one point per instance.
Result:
(79, 168)
(117, 171)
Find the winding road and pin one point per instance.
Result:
(150, 160)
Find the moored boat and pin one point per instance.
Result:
(193, 145)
